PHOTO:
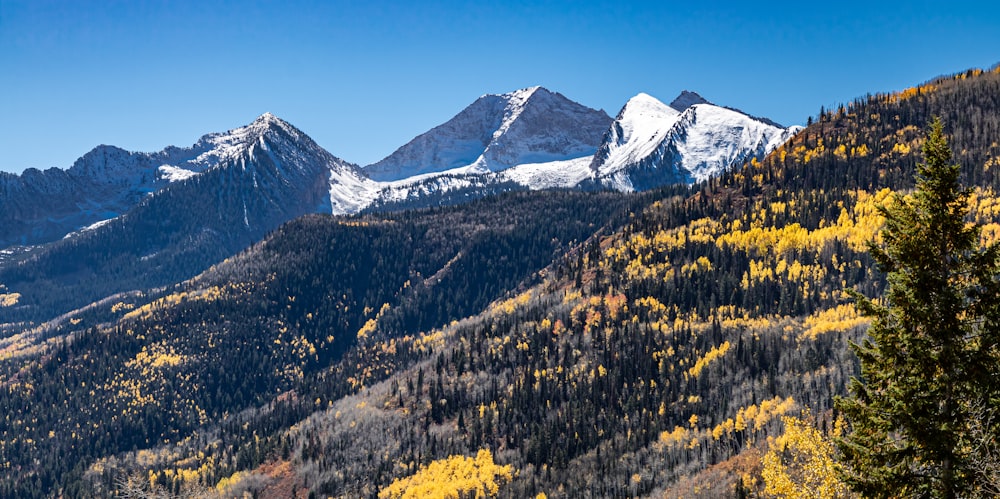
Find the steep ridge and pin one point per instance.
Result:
(42, 206)
(496, 132)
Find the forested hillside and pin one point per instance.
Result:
(266, 323)
(654, 355)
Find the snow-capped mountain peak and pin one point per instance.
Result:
(690, 140)
(267, 117)
(640, 127)
(268, 121)
(518, 97)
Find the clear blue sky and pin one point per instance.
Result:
(364, 77)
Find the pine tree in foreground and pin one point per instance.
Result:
(929, 362)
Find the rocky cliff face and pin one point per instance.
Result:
(497, 132)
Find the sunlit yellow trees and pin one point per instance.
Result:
(452, 478)
(800, 465)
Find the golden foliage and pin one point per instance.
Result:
(911, 92)
(453, 477)
(901, 149)
(120, 306)
(230, 481)
(799, 464)
(706, 359)
(155, 356)
(9, 299)
(209, 294)
(510, 305)
(839, 318)
(372, 324)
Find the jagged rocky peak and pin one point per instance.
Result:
(687, 99)
(498, 131)
(639, 128)
(105, 162)
(270, 121)
(267, 117)
(260, 126)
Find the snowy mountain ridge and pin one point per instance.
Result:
(640, 127)
(648, 144)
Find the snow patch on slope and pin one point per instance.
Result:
(350, 192)
(714, 138)
(174, 174)
(551, 175)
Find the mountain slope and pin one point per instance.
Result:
(496, 132)
(658, 361)
(268, 173)
(645, 358)
(42, 206)
(651, 360)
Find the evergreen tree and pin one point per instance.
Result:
(931, 348)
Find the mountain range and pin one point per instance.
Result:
(159, 218)
(531, 138)
(647, 145)
(42, 206)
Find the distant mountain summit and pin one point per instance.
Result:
(531, 125)
(42, 206)
(687, 99)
